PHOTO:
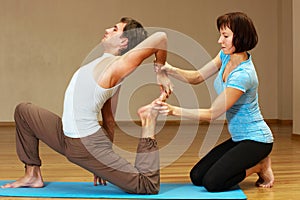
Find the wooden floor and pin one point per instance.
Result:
(285, 157)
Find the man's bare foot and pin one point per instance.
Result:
(148, 116)
(32, 178)
(147, 112)
(266, 177)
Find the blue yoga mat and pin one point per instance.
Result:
(88, 190)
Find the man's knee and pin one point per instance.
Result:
(20, 108)
(150, 189)
(155, 190)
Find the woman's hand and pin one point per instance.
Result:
(164, 108)
(169, 69)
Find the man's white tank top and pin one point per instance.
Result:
(83, 102)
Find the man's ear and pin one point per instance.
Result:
(124, 43)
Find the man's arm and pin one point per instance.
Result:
(156, 44)
(108, 120)
(108, 112)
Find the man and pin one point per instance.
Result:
(78, 135)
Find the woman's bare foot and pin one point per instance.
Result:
(32, 178)
(266, 177)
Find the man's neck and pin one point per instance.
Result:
(113, 52)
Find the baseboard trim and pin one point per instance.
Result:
(125, 123)
(7, 124)
(279, 121)
(177, 122)
(295, 136)
(286, 122)
(168, 122)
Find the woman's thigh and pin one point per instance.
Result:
(200, 169)
(231, 168)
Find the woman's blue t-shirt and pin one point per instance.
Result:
(244, 118)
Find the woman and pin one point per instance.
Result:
(248, 149)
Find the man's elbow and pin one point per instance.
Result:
(162, 38)
(161, 35)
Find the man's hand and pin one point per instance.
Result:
(99, 180)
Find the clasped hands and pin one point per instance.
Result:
(166, 86)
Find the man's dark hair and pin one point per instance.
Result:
(134, 31)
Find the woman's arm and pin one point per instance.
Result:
(222, 103)
(194, 76)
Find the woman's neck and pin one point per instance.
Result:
(237, 58)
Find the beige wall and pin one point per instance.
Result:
(285, 60)
(296, 64)
(44, 42)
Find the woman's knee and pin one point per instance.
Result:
(195, 178)
(212, 184)
(207, 180)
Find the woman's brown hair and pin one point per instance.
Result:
(244, 34)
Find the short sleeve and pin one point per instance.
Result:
(239, 79)
(224, 58)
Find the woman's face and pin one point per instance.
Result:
(225, 40)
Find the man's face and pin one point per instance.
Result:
(112, 36)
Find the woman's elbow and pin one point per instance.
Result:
(215, 115)
(194, 82)
(196, 78)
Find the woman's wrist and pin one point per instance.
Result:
(175, 111)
